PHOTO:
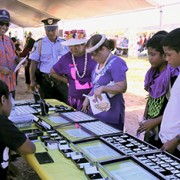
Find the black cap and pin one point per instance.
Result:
(50, 24)
(4, 15)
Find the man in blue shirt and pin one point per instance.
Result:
(45, 54)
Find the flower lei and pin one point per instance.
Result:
(85, 66)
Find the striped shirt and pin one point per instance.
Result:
(7, 59)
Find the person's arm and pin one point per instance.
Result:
(58, 77)
(172, 144)
(149, 124)
(25, 52)
(33, 68)
(27, 147)
(117, 88)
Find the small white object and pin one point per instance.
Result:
(99, 105)
(13, 102)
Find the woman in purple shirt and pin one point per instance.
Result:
(75, 68)
(109, 76)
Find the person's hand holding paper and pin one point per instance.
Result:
(20, 64)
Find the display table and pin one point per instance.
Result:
(62, 168)
(106, 151)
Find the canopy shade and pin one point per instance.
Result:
(29, 13)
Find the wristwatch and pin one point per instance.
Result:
(178, 138)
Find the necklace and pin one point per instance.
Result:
(99, 70)
(85, 66)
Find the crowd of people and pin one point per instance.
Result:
(74, 69)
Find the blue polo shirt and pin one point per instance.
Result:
(49, 53)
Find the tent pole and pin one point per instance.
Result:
(161, 18)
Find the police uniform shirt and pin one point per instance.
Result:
(48, 54)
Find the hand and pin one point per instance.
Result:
(17, 60)
(170, 145)
(145, 125)
(85, 105)
(98, 92)
(34, 86)
(5, 71)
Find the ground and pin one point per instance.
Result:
(134, 103)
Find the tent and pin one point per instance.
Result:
(29, 13)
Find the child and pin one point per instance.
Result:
(170, 126)
(157, 81)
(10, 136)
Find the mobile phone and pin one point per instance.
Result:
(43, 157)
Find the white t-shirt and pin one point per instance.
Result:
(170, 125)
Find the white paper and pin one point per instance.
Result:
(100, 105)
(20, 64)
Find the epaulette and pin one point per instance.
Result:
(39, 39)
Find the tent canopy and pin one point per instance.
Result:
(29, 13)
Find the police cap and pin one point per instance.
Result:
(50, 24)
(4, 15)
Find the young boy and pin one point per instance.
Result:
(10, 136)
(170, 126)
(157, 81)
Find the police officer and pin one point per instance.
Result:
(46, 52)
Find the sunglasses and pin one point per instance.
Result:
(4, 23)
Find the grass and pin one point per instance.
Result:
(137, 68)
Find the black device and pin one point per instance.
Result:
(44, 107)
(43, 157)
(36, 96)
(62, 108)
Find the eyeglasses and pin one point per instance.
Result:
(4, 23)
(94, 53)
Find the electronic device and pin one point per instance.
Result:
(22, 121)
(128, 167)
(24, 102)
(43, 157)
(162, 162)
(23, 110)
(44, 107)
(96, 150)
(79, 159)
(99, 128)
(62, 108)
(127, 144)
(77, 116)
(36, 96)
(64, 148)
(73, 132)
(92, 172)
(38, 132)
(40, 123)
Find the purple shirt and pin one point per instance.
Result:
(115, 70)
(77, 86)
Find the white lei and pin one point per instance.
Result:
(85, 66)
(99, 70)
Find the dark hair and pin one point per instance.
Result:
(14, 39)
(172, 40)
(162, 32)
(155, 43)
(4, 90)
(30, 43)
(110, 44)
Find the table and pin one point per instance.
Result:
(64, 168)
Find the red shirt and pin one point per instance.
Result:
(7, 59)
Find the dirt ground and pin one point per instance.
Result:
(134, 102)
